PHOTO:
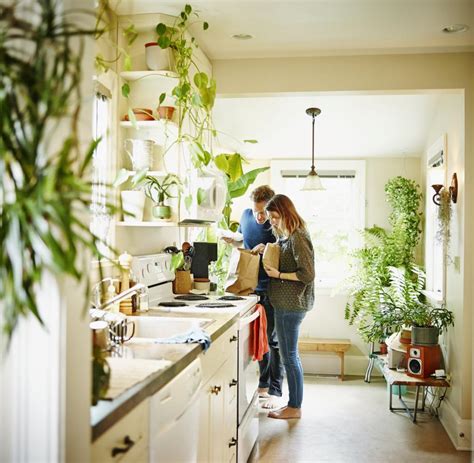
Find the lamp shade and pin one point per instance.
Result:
(312, 182)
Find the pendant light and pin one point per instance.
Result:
(313, 182)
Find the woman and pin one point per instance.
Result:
(291, 293)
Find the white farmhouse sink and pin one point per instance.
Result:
(166, 327)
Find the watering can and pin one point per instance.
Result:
(140, 152)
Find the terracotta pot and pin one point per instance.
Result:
(165, 112)
(141, 114)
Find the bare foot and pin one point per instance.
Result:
(272, 402)
(263, 393)
(286, 413)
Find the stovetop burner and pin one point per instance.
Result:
(172, 304)
(231, 298)
(215, 305)
(192, 297)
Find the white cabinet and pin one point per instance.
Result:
(218, 401)
(126, 441)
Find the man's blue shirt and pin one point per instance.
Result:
(255, 233)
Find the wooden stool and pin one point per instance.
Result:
(337, 346)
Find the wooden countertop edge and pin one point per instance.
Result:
(126, 402)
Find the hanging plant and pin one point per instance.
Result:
(44, 194)
(443, 234)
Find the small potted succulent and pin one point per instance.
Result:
(158, 190)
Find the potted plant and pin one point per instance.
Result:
(158, 190)
(383, 249)
(405, 301)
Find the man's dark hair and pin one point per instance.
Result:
(262, 193)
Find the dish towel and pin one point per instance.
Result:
(260, 340)
(195, 335)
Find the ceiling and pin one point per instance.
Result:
(321, 27)
(349, 125)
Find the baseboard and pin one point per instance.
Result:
(459, 430)
(328, 364)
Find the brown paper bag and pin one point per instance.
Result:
(271, 256)
(243, 272)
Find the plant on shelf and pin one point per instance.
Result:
(44, 192)
(158, 190)
(383, 249)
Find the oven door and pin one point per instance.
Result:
(248, 369)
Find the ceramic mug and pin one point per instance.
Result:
(140, 152)
(119, 332)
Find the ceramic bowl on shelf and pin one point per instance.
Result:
(156, 58)
(141, 114)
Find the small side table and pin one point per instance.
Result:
(396, 378)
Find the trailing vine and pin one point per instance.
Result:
(443, 234)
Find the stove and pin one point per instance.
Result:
(154, 271)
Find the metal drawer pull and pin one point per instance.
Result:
(215, 389)
(233, 383)
(129, 443)
(232, 442)
(233, 339)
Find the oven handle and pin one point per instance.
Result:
(247, 320)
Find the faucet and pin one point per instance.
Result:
(139, 288)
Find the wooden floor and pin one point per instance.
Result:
(349, 422)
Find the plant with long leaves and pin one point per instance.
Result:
(44, 194)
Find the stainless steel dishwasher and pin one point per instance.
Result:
(174, 415)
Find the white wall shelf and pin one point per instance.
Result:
(132, 76)
(153, 173)
(156, 223)
(159, 124)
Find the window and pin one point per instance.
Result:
(102, 168)
(334, 216)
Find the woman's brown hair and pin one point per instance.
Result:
(285, 208)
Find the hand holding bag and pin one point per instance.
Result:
(271, 256)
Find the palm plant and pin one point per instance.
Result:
(44, 193)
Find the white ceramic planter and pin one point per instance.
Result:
(133, 202)
(156, 58)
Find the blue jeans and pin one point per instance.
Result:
(287, 324)
(271, 371)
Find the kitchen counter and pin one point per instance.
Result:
(107, 412)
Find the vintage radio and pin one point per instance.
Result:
(423, 360)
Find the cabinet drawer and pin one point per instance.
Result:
(126, 441)
(224, 348)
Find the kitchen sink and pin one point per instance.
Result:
(166, 327)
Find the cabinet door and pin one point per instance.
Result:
(126, 441)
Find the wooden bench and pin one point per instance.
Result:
(337, 346)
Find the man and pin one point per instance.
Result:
(256, 232)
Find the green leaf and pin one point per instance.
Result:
(164, 42)
(127, 62)
(122, 176)
(132, 118)
(188, 200)
(130, 34)
(161, 29)
(188, 9)
(222, 163)
(126, 90)
(162, 99)
(251, 141)
(201, 80)
(201, 195)
(240, 186)
(205, 26)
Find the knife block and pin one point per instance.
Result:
(182, 283)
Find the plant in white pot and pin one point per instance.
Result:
(159, 190)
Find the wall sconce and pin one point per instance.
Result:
(453, 190)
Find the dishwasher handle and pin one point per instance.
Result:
(247, 320)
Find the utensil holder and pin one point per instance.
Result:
(182, 283)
